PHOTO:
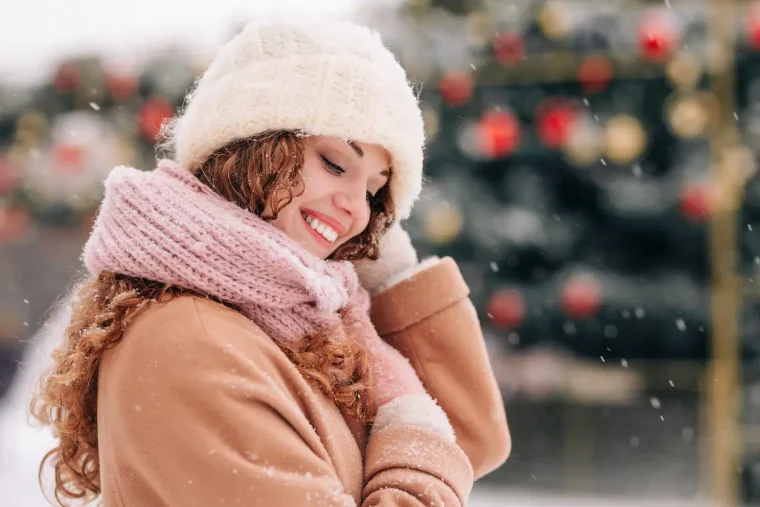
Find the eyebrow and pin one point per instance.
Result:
(356, 148)
(360, 152)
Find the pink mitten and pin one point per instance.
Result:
(398, 396)
(392, 374)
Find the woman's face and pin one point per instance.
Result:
(340, 180)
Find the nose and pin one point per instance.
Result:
(354, 202)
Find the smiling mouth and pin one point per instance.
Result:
(320, 230)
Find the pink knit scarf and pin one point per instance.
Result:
(165, 225)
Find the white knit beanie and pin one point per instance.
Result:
(319, 76)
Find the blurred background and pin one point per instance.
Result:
(591, 165)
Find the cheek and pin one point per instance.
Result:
(316, 179)
(360, 225)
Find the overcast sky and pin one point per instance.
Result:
(36, 33)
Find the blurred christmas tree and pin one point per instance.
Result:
(570, 166)
(571, 163)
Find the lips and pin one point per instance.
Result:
(325, 219)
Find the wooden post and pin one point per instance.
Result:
(722, 382)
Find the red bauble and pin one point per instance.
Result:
(658, 36)
(497, 133)
(456, 88)
(506, 309)
(509, 48)
(121, 86)
(595, 73)
(66, 78)
(68, 157)
(581, 297)
(152, 114)
(695, 202)
(555, 121)
(753, 27)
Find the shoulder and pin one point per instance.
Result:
(192, 321)
(189, 337)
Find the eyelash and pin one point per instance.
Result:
(373, 200)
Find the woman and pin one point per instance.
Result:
(224, 352)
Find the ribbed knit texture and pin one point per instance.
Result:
(165, 225)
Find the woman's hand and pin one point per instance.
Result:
(397, 256)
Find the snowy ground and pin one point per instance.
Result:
(489, 497)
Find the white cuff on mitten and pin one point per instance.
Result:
(397, 261)
(414, 410)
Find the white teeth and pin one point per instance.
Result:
(325, 230)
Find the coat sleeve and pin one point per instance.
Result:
(430, 319)
(190, 419)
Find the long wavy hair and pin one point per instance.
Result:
(262, 175)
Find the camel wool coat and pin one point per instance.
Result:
(198, 407)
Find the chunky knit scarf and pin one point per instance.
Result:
(165, 225)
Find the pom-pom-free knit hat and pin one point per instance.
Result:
(318, 76)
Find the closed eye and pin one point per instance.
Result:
(373, 200)
(331, 167)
